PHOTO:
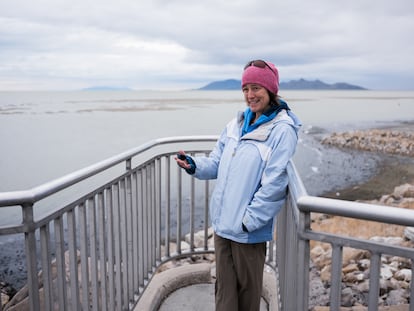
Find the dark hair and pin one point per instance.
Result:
(274, 99)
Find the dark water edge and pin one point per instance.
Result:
(388, 172)
(391, 171)
(325, 171)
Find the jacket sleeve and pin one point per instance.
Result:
(270, 196)
(207, 167)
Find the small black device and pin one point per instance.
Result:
(181, 156)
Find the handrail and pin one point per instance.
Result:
(40, 192)
(374, 212)
(296, 187)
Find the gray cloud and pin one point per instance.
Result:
(185, 44)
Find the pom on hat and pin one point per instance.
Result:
(267, 76)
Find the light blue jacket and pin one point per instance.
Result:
(251, 177)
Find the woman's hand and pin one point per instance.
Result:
(182, 160)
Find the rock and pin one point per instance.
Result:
(319, 308)
(347, 297)
(354, 277)
(350, 268)
(354, 255)
(199, 237)
(321, 258)
(363, 287)
(6, 293)
(404, 191)
(317, 251)
(379, 140)
(20, 301)
(173, 248)
(318, 293)
(402, 307)
(364, 264)
(403, 284)
(326, 274)
(392, 284)
(4, 299)
(406, 203)
(384, 285)
(409, 233)
(397, 296)
(403, 275)
(387, 272)
(400, 262)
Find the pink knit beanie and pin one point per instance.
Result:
(268, 76)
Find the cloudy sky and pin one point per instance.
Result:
(182, 44)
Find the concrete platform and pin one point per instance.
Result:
(191, 287)
(198, 297)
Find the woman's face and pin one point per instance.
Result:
(256, 97)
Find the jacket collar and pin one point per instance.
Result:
(263, 131)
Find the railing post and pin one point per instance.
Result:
(157, 181)
(60, 263)
(281, 240)
(206, 205)
(179, 209)
(412, 286)
(128, 164)
(167, 216)
(303, 262)
(129, 232)
(336, 279)
(374, 276)
(31, 256)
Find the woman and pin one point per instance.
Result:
(249, 162)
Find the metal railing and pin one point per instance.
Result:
(100, 250)
(294, 233)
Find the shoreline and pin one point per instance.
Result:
(391, 170)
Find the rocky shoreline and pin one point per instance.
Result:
(394, 146)
(392, 185)
(376, 140)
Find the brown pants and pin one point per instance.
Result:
(239, 272)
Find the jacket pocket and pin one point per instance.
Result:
(231, 221)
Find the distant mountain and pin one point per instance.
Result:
(300, 84)
(303, 84)
(230, 84)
